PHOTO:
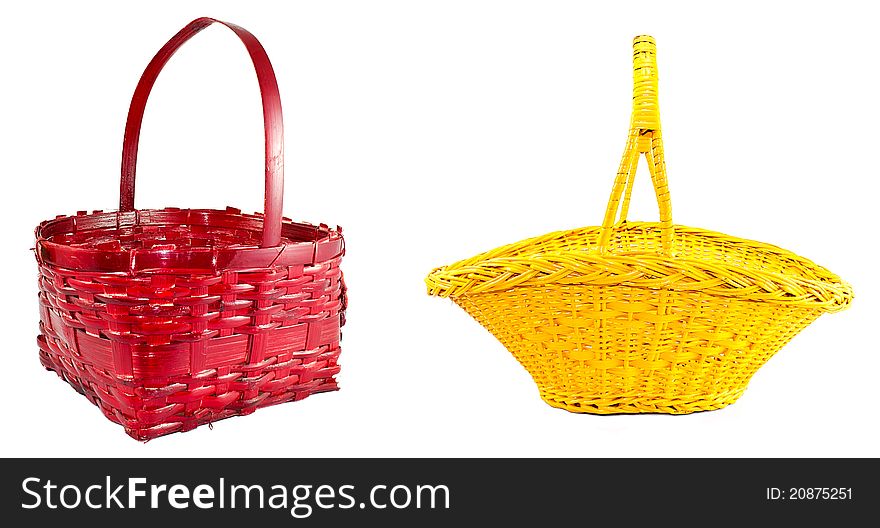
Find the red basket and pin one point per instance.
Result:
(168, 319)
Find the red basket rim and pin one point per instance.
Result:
(301, 244)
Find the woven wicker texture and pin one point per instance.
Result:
(169, 319)
(636, 317)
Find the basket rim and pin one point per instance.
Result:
(301, 244)
(498, 270)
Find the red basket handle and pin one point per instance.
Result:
(271, 120)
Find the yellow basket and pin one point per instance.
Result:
(639, 317)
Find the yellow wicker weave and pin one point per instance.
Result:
(635, 317)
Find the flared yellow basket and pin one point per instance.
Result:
(639, 317)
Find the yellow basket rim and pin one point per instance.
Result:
(512, 265)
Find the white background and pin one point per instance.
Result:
(435, 130)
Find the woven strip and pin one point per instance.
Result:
(718, 264)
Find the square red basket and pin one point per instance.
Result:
(173, 318)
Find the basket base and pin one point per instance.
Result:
(95, 388)
(591, 404)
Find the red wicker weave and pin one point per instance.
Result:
(169, 319)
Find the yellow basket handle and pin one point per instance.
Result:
(644, 138)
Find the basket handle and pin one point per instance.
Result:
(644, 138)
(272, 122)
